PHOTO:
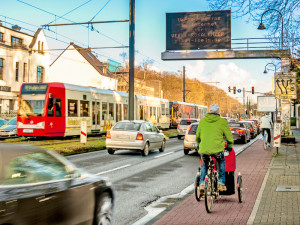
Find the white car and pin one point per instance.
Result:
(189, 142)
(135, 135)
(183, 126)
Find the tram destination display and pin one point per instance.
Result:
(198, 30)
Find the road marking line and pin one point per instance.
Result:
(118, 168)
(163, 155)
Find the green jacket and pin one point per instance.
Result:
(210, 132)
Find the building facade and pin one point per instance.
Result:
(22, 59)
(80, 66)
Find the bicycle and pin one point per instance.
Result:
(211, 190)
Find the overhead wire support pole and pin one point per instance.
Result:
(131, 58)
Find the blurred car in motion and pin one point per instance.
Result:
(39, 186)
(135, 135)
(240, 132)
(189, 142)
(256, 122)
(9, 129)
(183, 126)
(2, 122)
(250, 125)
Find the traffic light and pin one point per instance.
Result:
(253, 90)
(234, 90)
(229, 89)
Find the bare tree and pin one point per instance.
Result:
(253, 10)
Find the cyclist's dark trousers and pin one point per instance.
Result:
(268, 132)
(221, 165)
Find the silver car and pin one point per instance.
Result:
(252, 127)
(9, 129)
(183, 126)
(135, 135)
(189, 142)
(240, 132)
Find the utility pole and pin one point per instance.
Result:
(244, 101)
(183, 83)
(131, 58)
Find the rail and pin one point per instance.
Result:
(255, 44)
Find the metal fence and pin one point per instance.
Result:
(8, 114)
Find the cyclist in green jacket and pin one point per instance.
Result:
(210, 140)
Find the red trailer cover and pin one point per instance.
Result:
(230, 162)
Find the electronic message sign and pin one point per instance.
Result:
(198, 30)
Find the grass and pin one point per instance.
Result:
(170, 133)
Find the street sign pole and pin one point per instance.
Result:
(131, 58)
(243, 100)
(183, 83)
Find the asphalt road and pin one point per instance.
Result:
(138, 180)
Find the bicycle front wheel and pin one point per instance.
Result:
(208, 192)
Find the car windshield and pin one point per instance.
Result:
(235, 125)
(187, 122)
(193, 129)
(12, 122)
(127, 126)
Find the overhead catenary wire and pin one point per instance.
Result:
(100, 10)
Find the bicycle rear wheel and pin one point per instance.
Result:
(208, 192)
(197, 188)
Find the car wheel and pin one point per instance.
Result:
(145, 151)
(186, 151)
(179, 137)
(110, 151)
(163, 146)
(104, 210)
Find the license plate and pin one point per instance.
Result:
(28, 131)
(123, 137)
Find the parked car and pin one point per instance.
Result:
(39, 186)
(135, 135)
(183, 126)
(189, 143)
(2, 122)
(251, 127)
(9, 129)
(240, 132)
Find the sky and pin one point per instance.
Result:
(150, 36)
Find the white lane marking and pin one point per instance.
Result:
(163, 155)
(118, 168)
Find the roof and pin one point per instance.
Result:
(92, 59)
(35, 38)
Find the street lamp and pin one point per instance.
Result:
(262, 26)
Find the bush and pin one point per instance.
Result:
(288, 139)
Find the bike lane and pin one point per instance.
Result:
(253, 165)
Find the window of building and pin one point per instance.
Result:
(141, 112)
(125, 109)
(104, 111)
(17, 71)
(98, 113)
(118, 112)
(1, 37)
(25, 72)
(40, 74)
(72, 108)
(16, 41)
(1, 69)
(111, 111)
(163, 109)
(84, 108)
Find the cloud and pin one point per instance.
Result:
(196, 71)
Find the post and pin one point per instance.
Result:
(131, 58)
(244, 101)
(183, 83)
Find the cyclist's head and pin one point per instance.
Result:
(214, 108)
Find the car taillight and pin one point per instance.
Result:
(257, 124)
(239, 131)
(108, 135)
(251, 129)
(189, 129)
(231, 128)
(139, 137)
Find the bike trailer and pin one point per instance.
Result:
(230, 166)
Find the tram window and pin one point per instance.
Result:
(58, 107)
(50, 109)
(98, 113)
(72, 108)
(104, 110)
(111, 111)
(163, 109)
(84, 108)
(125, 109)
(141, 112)
(93, 113)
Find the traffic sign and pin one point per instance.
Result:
(285, 85)
(239, 90)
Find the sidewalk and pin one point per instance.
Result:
(262, 204)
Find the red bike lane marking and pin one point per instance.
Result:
(253, 165)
